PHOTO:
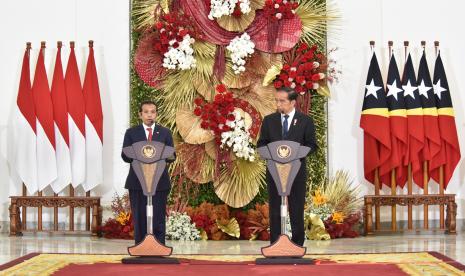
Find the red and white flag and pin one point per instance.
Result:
(24, 158)
(76, 123)
(45, 129)
(60, 115)
(94, 125)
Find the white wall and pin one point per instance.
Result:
(397, 20)
(107, 23)
(104, 21)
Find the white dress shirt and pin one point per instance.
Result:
(289, 120)
(147, 132)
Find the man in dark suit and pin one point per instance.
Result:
(150, 131)
(288, 124)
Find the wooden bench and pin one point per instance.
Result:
(17, 202)
(409, 200)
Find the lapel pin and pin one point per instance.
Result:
(295, 121)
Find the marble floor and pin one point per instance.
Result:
(449, 245)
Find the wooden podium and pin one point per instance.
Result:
(283, 163)
(149, 162)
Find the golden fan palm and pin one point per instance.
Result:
(315, 16)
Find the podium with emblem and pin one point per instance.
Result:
(283, 163)
(149, 162)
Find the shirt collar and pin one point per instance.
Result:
(291, 114)
(146, 126)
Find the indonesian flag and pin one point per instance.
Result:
(450, 149)
(46, 159)
(24, 156)
(76, 122)
(94, 125)
(60, 115)
(375, 123)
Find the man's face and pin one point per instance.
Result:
(148, 114)
(283, 104)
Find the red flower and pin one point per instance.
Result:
(198, 101)
(309, 85)
(183, 33)
(159, 25)
(221, 88)
(197, 111)
(315, 77)
(300, 79)
(175, 45)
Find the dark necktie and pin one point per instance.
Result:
(149, 129)
(285, 126)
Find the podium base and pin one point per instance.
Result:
(150, 247)
(149, 260)
(284, 260)
(283, 248)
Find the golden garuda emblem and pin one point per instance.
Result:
(284, 151)
(148, 151)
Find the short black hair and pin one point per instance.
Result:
(291, 94)
(147, 102)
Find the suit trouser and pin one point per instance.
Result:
(139, 214)
(296, 202)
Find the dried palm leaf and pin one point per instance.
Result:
(259, 96)
(341, 195)
(232, 228)
(197, 165)
(237, 81)
(238, 185)
(145, 12)
(236, 24)
(148, 62)
(211, 150)
(315, 16)
(271, 74)
(206, 88)
(189, 127)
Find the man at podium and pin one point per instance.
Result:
(149, 130)
(288, 124)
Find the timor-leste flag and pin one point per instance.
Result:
(398, 126)
(416, 135)
(432, 144)
(450, 148)
(375, 123)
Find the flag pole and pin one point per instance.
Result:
(441, 168)
(393, 172)
(39, 193)
(425, 175)
(24, 209)
(91, 45)
(55, 209)
(377, 186)
(409, 182)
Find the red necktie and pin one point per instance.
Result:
(150, 133)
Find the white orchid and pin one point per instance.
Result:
(181, 57)
(238, 138)
(240, 47)
(218, 8)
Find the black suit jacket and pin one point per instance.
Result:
(137, 134)
(301, 130)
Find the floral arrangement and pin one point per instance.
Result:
(240, 48)
(180, 227)
(218, 8)
(185, 48)
(223, 117)
(280, 9)
(303, 72)
(175, 40)
(238, 138)
(216, 114)
(121, 225)
(337, 206)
